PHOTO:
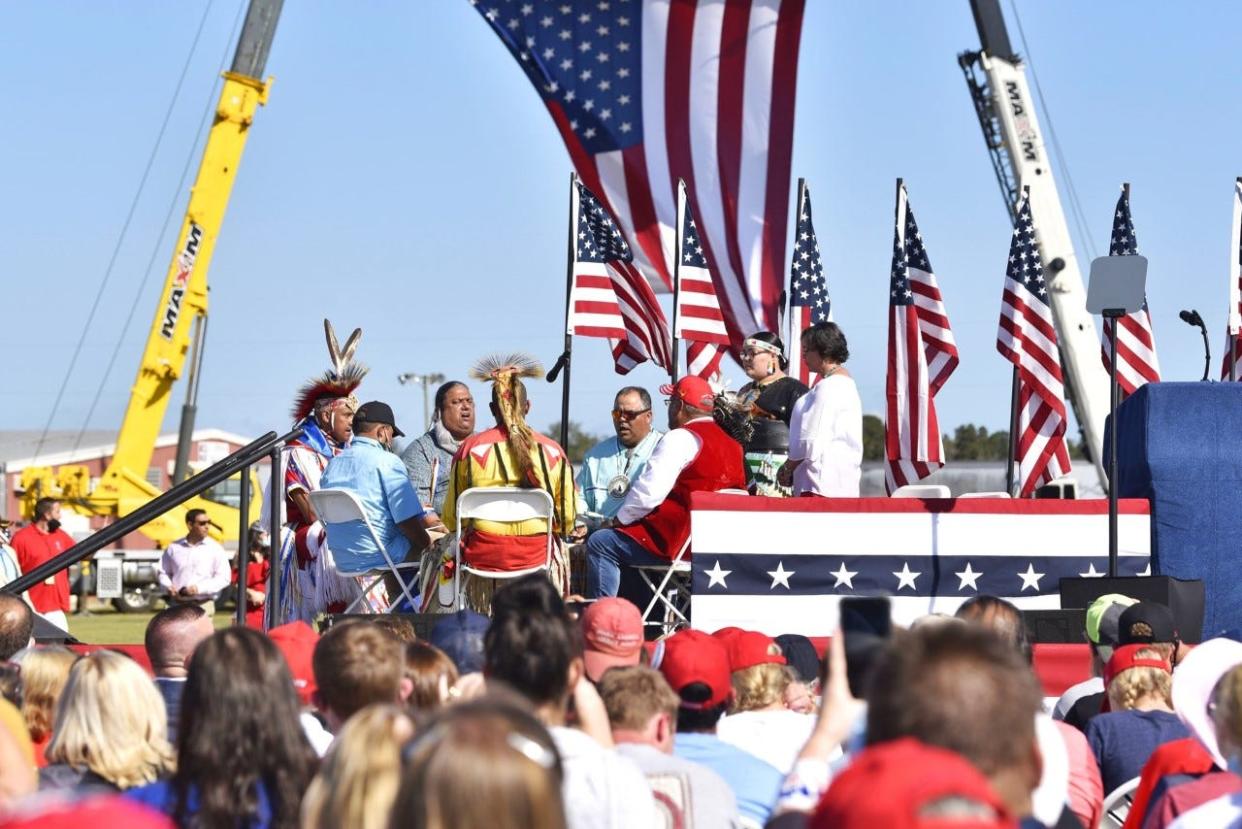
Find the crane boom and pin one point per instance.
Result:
(996, 77)
(123, 486)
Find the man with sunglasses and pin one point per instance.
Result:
(195, 568)
(612, 465)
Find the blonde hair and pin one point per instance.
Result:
(357, 783)
(482, 763)
(112, 720)
(505, 373)
(45, 670)
(759, 686)
(1133, 685)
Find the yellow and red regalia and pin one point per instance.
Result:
(485, 459)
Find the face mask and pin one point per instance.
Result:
(52, 525)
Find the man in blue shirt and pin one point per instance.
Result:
(612, 465)
(697, 669)
(369, 469)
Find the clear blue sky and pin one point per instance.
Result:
(406, 179)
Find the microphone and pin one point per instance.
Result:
(561, 362)
(1191, 317)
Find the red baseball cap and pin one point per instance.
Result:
(692, 390)
(296, 641)
(693, 656)
(1123, 659)
(613, 630)
(904, 784)
(748, 648)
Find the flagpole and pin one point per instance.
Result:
(562, 362)
(1235, 275)
(787, 308)
(677, 242)
(1013, 433)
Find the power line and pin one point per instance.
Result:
(1080, 220)
(116, 250)
(159, 244)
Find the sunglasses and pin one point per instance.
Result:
(625, 414)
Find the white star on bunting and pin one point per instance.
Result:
(1030, 578)
(780, 575)
(1091, 572)
(906, 578)
(844, 576)
(716, 576)
(968, 576)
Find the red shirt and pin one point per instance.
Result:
(33, 547)
(256, 579)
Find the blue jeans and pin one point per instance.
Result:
(608, 551)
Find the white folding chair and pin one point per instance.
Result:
(673, 591)
(1117, 805)
(996, 494)
(922, 491)
(340, 506)
(504, 505)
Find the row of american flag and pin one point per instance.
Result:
(678, 118)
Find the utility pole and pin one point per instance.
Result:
(426, 380)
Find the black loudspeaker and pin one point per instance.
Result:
(1067, 626)
(422, 623)
(1182, 596)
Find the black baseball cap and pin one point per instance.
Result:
(1145, 623)
(377, 412)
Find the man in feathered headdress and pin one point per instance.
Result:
(510, 455)
(324, 408)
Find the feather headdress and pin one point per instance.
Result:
(339, 381)
(496, 366)
(505, 373)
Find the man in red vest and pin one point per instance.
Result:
(653, 524)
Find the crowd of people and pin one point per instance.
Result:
(543, 717)
(544, 699)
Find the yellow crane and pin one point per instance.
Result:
(123, 487)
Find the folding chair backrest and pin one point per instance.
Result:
(337, 506)
(505, 504)
(340, 506)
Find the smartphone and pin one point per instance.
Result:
(577, 607)
(866, 624)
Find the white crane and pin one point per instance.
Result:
(996, 76)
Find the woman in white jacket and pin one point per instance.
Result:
(825, 430)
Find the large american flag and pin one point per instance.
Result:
(809, 301)
(921, 356)
(1136, 343)
(646, 92)
(1028, 339)
(1233, 334)
(699, 320)
(609, 297)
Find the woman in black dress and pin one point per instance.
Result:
(768, 400)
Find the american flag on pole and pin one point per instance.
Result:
(1028, 339)
(610, 298)
(699, 320)
(1136, 344)
(646, 92)
(809, 301)
(921, 355)
(1233, 340)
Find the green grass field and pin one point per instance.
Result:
(105, 626)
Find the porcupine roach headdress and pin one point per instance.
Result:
(505, 373)
(337, 382)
